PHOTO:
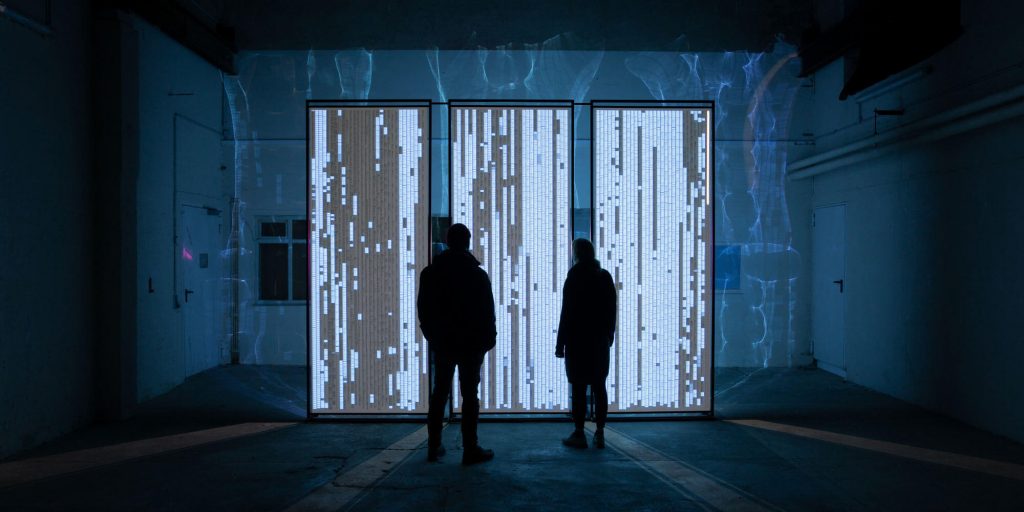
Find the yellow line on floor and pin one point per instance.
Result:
(683, 477)
(350, 484)
(28, 470)
(978, 464)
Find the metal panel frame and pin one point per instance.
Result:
(593, 105)
(311, 104)
(452, 104)
(671, 105)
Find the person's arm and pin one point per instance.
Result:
(425, 305)
(611, 300)
(487, 317)
(562, 321)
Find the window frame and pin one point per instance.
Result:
(723, 247)
(289, 240)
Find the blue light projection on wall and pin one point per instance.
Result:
(755, 327)
(759, 324)
(553, 69)
(727, 267)
(266, 102)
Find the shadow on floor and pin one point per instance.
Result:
(221, 396)
(883, 464)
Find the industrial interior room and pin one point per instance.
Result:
(218, 214)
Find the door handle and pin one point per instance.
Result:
(839, 282)
(187, 293)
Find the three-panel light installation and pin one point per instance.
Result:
(511, 183)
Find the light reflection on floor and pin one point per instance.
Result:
(28, 470)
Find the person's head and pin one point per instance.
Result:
(458, 237)
(582, 250)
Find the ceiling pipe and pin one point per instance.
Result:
(42, 27)
(977, 114)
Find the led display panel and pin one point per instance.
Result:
(653, 232)
(369, 239)
(511, 177)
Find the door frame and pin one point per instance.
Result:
(841, 371)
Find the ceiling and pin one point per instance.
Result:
(877, 38)
(647, 25)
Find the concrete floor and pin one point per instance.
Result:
(818, 444)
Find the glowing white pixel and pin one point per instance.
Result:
(380, 152)
(652, 231)
(510, 186)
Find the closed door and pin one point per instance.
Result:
(200, 236)
(828, 290)
(202, 289)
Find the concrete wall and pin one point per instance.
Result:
(180, 106)
(763, 323)
(46, 210)
(933, 230)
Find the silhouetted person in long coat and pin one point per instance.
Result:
(586, 331)
(456, 313)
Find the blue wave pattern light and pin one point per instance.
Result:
(756, 327)
(753, 94)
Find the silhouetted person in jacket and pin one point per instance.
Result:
(456, 313)
(585, 334)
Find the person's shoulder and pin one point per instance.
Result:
(577, 269)
(573, 275)
(427, 270)
(441, 258)
(479, 272)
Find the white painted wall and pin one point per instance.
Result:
(180, 97)
(46, 210)
(934, 236)
(270, 333)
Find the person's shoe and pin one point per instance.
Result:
(599, 439)
(476, 455)
(576, 440)
(435, 452)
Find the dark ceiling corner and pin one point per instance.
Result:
(613, 25)
(880, 38)
(209, 39)
(219, 29)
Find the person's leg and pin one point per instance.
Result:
(579, 416)
(469, 380)
(600, 393)
(579, 404)
(444, 369)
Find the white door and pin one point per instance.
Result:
(200, 230)
(202, 289)
(828, 260)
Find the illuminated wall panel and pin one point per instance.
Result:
(369, 217)
(511, 172)
(653, 232)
